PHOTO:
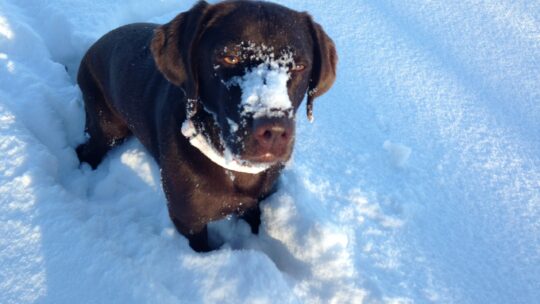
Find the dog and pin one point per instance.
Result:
(212, 95)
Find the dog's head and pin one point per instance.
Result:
(245, 67)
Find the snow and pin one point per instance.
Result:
(398, 153)
(264, 91)
(264, 87)
(419, 182)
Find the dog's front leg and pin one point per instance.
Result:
(198, 240)
(189, 221)
(189, 217)
(253, 218)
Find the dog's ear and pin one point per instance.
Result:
(325, 60)
(172, 46)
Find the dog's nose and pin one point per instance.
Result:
(273, 135)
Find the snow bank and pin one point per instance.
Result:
(458, 223)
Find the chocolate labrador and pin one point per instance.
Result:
(212, 95)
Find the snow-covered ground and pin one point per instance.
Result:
(419, 180)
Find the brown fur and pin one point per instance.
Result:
(146, 80)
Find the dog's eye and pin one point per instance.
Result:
(231, 59)
(298, 68)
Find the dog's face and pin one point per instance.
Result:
(254, 65)
(249, 64)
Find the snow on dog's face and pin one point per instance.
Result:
(253, 64)
(264, 84)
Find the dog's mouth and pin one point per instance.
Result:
(269, 158)
(224, 158)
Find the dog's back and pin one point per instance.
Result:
(119, 80)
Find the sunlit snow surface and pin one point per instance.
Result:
(418, 182)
